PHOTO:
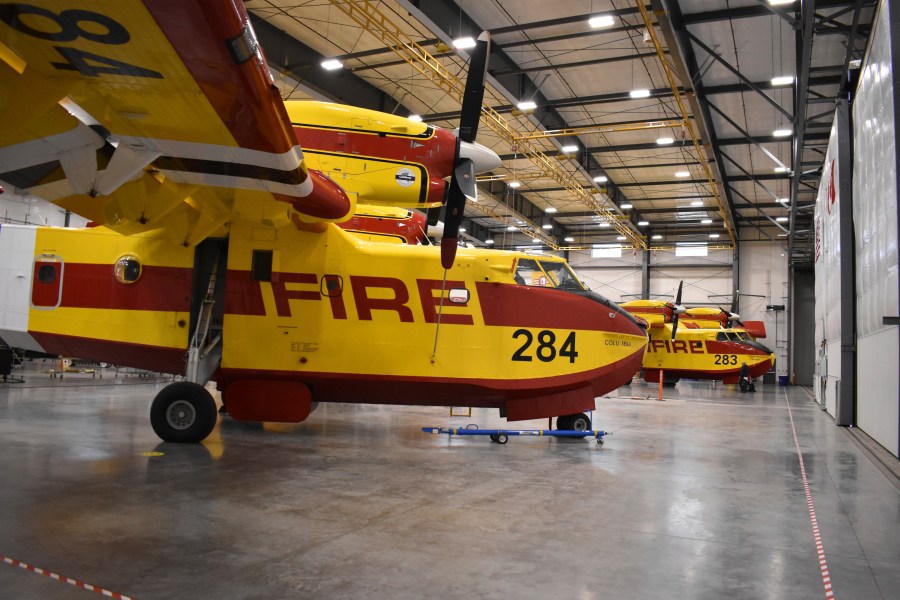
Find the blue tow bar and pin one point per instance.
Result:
(501, 436)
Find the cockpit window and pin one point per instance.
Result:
(562, 275)
(721, 337)
(734, 337)
(546, 274)
(744, 336)
(529, 273)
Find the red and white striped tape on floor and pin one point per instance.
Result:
(64, 579)
(820, 549)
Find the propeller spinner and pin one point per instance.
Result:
(471, 158)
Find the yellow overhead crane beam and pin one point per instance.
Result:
(612, 128)
(701, 153)
(367, 15)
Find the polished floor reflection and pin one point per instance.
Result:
(697, 496)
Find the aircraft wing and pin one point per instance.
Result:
(146, 114)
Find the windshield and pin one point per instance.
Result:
(546, 274)
(561, 275)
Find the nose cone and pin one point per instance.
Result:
(484, 158)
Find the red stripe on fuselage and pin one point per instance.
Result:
(95, 286)
(505, 305)
(717, 347)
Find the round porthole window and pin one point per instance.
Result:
(128, 269)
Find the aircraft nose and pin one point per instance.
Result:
(484, 158)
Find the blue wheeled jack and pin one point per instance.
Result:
(501, 436)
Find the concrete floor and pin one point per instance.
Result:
(699, 496)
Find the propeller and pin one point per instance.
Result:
(731, 316)
(462, 182)
(677, 309)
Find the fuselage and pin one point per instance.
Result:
(704, 354)
(350, 320)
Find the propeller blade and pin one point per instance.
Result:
(473, 96)
(462, 186)
(677, 309)
(462, 183)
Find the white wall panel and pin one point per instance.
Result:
(763, 282)
(31, 210)
(827, 253)
(875, 224)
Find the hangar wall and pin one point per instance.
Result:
(875, 222)
(828, 263)
(30, 210)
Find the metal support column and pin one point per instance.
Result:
(845, 411)
(645, 275)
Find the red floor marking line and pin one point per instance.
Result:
(820, 549)
(63, 579)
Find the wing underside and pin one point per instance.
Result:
(150, 114)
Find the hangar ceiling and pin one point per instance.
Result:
(653, 124)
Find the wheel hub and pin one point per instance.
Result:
(181, 414)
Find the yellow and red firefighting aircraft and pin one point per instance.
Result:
(696, 352)
(215, 252)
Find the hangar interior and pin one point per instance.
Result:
(742, 150)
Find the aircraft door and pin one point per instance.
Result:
(46, 282)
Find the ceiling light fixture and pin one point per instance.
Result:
(464, 43)
(550, 209)
(547, 226)
(657, 237)
(782, 219)
(781, 169)
(625, 206)
(714, 236)
(706, 221)
(601, 178)
(515, 184)
(621, 238)
(415, 118)
(536, 241)
(643, 223)
(569, 239)
(682, 174)
(782, 80)
(697, 203)
(332, 64)
(511, 228)
(639, 93)
(527, 105)
(603, 224)
(462, 229)
(488, 241)
(782, 132)
(664, 141)
(601, 21)
(569, 149)
(780, 2)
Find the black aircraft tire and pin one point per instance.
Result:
(580, 422)
(564, 422)
(183, 412)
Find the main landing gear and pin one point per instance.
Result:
(579, 422)
(183, 412)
